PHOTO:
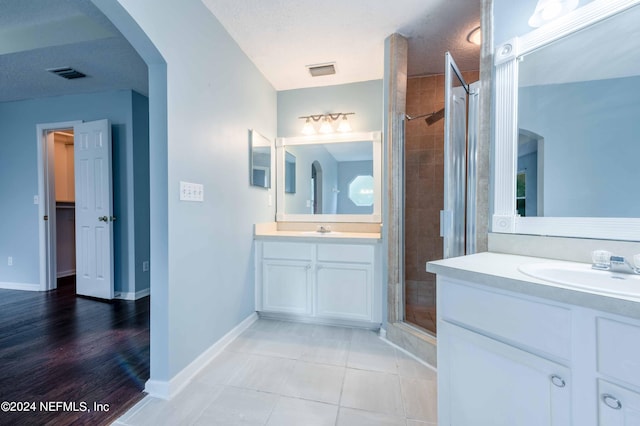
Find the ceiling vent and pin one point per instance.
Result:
(66, 72)
(322, 69)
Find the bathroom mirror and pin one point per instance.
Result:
(260, 161)
(336, 178)
(567, 126)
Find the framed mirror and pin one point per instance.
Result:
(260, 160)
(567, 126)
(329, 178)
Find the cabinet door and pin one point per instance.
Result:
(485, 382)
(618, 406)
(286, 286)
(344, 291)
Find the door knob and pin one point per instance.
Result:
(103, 219)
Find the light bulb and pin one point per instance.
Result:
(344, 125)
(326, 126)
(551, 10)
(308, 128)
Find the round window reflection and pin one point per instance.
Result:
(361, 190)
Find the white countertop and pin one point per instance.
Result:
(362, 237)
(340, 232)
(501, 271)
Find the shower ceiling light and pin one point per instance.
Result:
(548, 10)
(327, 123)
(475, 36)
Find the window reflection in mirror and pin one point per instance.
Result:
(324, 175)
(579, 95)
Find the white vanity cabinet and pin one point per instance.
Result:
(507, 358)
(490, 370)
(495, 384)
(323, 282)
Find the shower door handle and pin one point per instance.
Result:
(446, 218)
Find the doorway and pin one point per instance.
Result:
(65, 211)
(75, 166)
(316, 188)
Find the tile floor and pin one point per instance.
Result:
(286, 373)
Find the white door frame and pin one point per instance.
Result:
(47, 205)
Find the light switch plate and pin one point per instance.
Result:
(191, 191)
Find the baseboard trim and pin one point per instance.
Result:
(164, 389)
(19, 286)
(133, 296)
(68, 273)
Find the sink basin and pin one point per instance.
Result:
(321, 234)
(582, 276)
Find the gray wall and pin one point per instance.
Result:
(18, 164)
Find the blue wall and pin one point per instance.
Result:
(204, 260)
(19, 218)
(363, 98)
(305, 156)
(591, 153)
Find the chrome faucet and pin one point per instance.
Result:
(323, 229)
(605, 261)
(620, 264)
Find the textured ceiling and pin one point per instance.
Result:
(283, 36)
(280, 37)
(39, 34)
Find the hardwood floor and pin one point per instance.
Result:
(58, 348)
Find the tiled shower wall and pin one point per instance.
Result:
(424, 196)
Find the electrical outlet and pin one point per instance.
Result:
(145, 266)
(191, 191)
(10, 261)
(270, 200)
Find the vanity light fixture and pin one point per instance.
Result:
(308, 128)
(548, 10)
(475, 36)
(326, 126)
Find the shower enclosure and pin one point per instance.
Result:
(440, 181)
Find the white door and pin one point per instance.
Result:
(94, 209)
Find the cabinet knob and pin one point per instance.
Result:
(611, 401)
(558, 381)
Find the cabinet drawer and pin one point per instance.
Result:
(345, 253)
(285, 250)
(529, 324)
(619, 350)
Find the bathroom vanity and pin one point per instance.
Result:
(325, 277)
(517, 350)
